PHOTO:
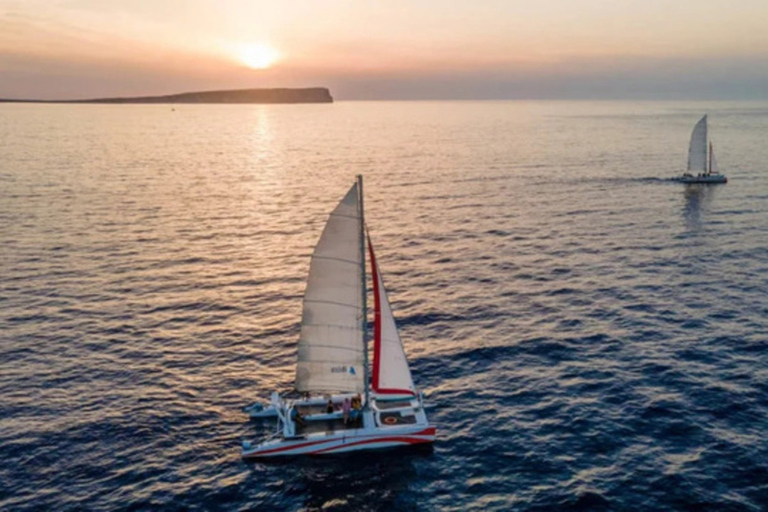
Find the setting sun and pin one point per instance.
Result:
(257, 56)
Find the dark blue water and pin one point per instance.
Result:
(593, 337)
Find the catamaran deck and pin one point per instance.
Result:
(387, 418)
(330, 425)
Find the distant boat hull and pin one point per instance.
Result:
(710, 179)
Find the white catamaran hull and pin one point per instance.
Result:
(259, 410)
(342, 442)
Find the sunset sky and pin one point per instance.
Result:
(394, 49)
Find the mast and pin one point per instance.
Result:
(366, 371)
(709, 171)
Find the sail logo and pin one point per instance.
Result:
(343, 369)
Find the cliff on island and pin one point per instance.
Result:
(308, 95)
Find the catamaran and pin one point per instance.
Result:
(332, 370)
(701, 161)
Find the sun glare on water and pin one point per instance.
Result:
(258, 56)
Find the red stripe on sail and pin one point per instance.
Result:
(376, 318)
(398, 439)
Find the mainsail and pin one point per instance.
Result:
(697, 151)
(331, 350)
(391, 374)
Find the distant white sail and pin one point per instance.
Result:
(697, 151)
(391, 374)
(712, 161)
(331, 350)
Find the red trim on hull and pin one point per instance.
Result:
(405, 438)
(283, 448)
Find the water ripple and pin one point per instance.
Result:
(591, 335)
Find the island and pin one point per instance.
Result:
(308, 95)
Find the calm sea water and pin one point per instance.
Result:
(593, 337)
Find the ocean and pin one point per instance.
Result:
(591, 335)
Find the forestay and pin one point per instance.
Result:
(331, 349)
(391, 374)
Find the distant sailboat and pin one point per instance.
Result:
(701, 158)
(333, 357)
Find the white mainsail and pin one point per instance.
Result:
(697, 150)
(331, 346)
(391, 374)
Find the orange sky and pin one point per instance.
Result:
(394, 49)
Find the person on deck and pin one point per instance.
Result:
(329, 408)
(357, 406)
(297, 417)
